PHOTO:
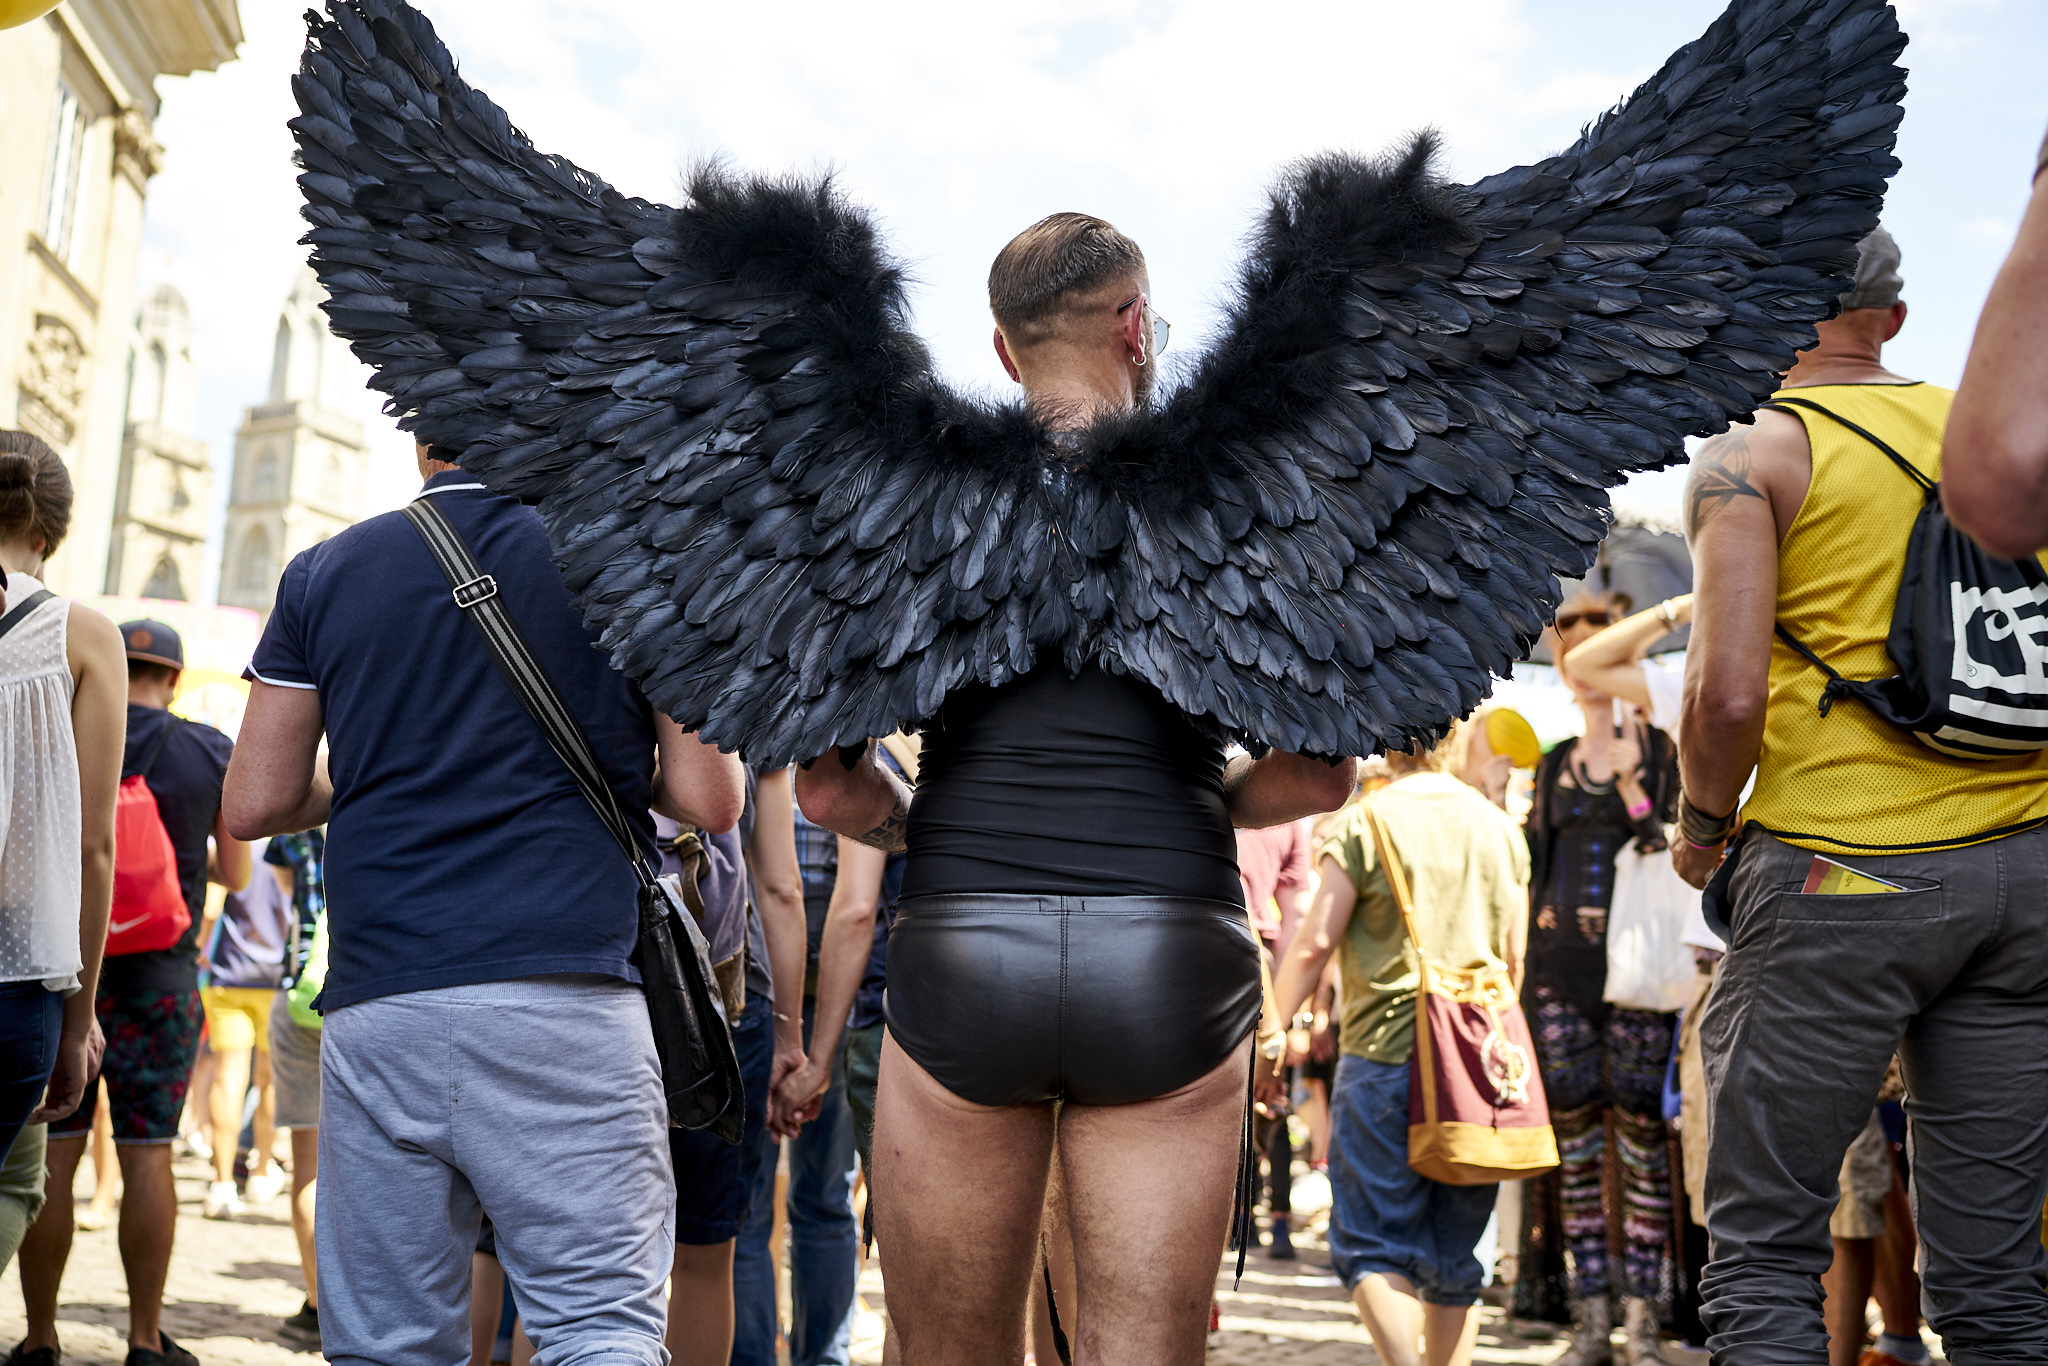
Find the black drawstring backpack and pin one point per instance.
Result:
(1969, 636)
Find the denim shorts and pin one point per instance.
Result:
(1384, 1216)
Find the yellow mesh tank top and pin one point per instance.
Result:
(1848, 782)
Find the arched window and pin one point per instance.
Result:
(165, 581)
(255, 567)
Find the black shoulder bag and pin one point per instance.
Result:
(700, 1071)
(1969, 632)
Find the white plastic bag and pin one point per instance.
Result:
(1649, 965)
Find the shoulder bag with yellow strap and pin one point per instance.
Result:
(1476, 1108)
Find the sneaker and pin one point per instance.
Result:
(306, 1321)
(1280, 1247)
(222, 1202)
(195, 1145)
(41, 1356)
(171, 1355)
(266, 1185)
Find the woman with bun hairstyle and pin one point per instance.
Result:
(63, 721)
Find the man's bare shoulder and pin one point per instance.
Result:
(1768, 460)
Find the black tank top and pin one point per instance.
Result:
(1092, 785)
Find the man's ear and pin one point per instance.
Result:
(1003, 354)
(1898, 320)
(1137, 336)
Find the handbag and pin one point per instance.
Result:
(1649, 964)
(700, 1071)
(1476, 1109)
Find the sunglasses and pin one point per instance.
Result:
(1161, 329)
(1566, 620)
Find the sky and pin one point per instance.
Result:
(961, 124)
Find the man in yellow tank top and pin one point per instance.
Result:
(1880, 896)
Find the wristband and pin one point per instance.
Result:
(1702, 829)
(1665, 616)
(1638, 810)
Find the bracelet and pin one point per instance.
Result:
(1702, 829)
(1638, 810)
(1665, 616)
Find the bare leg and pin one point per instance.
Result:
(149, 1222)
(700, 1313)
(1847, 1287)
(1448, 1333)
(522, 1345)
(959, 1189)
(47, 1245)
(1392, 1314)
(1158, 1175)
(305, 1174)
(263, 1151)
(486, 1306)
(1897, 1284)
(224, 1109)
(106, 1168)
(198, 1116)
(1315, 1112)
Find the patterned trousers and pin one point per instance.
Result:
(1588, 1068)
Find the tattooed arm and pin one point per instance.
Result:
(1743, 490)
(866, 802)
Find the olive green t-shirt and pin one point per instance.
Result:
(1468, 872)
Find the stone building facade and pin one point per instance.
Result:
(301, 466)
(77, 104)
(165, 486)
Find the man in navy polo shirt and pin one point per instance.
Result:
(485, 1049)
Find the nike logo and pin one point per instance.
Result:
(122, 927)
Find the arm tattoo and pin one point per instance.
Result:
(890, 835)
(1720, 474)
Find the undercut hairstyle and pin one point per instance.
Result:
(1037, 278)
(35, 490)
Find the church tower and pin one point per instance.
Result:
(164, 486)
(300, 464)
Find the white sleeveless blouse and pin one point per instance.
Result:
(40, 826)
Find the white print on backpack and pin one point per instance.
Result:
(1996, 615)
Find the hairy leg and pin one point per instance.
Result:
(149, 1221)
(1156, 1174)
(47, 1246)
(958, 1192)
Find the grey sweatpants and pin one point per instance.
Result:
(1813, 998)
(536, 1101)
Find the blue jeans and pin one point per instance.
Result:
(824, 1240)
(753, 1274)
(1385, 1216)
(31, 1017)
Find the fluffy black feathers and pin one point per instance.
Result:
(1329, 539)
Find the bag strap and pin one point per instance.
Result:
(1837, 686)
(1396, 878)
(1927, 486)
(23, 608)
(476, 593)
(149, 761)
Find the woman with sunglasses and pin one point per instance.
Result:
(1595, 795)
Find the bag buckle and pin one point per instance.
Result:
(479, 589)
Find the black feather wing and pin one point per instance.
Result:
(1351, 517)
(787, 531)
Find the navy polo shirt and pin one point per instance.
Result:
(459, 849)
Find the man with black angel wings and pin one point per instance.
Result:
(1325, 543)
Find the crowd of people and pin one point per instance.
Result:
(1765, 1110)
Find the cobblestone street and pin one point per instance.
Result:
(231, 1284)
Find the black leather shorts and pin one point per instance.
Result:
(1101, 1000)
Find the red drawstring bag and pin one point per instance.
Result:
(149, 910)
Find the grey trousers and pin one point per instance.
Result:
(1813, 998)
(536, 1101)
